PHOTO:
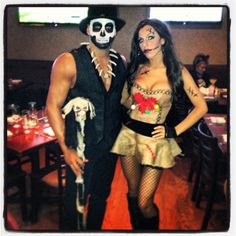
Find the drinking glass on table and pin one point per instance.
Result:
(25, 121)
(212, 87)
(44, 117)
(211, 90)
(213, 80)
(33, 115)
(13, 116)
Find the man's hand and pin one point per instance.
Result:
(75, 162)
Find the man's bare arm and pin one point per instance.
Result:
(63, 77)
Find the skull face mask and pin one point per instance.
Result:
(102, 32)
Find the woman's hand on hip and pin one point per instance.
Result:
(159, 132)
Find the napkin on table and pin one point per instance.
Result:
(218, 120)
(224, 137)
(49, 131)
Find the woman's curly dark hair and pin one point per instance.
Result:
(173, 66)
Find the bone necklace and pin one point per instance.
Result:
(102, 73)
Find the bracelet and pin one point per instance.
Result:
(170, 132)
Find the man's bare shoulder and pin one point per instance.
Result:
(64, 67)
(65, 62)
(64, 58)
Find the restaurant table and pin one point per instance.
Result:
(217, 104)
(22, 144)
(217, 124)
(29, 144)
(222, 100)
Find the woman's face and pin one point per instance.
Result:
(201, 67)
(150, 42)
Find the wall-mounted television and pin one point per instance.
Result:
(51, 15)
(187, 14)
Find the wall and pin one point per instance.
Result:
(45, 43)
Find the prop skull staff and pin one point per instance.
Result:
(80, 106)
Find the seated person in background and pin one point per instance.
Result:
(199, 70)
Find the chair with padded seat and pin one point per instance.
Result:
(52, 176)
(195, 155)
(11, 222)
(15, 186)
(210, 183)
(24, 164)
(195, 167)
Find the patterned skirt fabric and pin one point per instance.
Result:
(147, 150)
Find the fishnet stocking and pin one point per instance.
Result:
(148, 185)
(142, 182)
(132, 171)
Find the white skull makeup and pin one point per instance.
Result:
(102, 32)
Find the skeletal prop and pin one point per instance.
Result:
(80, 106)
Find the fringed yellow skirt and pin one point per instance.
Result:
(148, 151)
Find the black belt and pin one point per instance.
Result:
(139, 126)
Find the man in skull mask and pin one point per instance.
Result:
(95, 72)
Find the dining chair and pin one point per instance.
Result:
(15, 186)
(195, 166)
(51, 176)
(57, 178)
(210, 182)
(23, 163)
(19, 172)
(11, 222)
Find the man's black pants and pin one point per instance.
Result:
(98, 177)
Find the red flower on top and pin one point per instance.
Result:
(138, 98)
(144, 103)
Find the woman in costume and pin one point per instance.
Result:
(146, 143)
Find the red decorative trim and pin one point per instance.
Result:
(150, 150)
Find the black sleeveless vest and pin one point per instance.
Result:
(102, 130)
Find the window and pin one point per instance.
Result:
(51, 15)
(185, 15)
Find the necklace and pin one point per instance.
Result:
(105, 73)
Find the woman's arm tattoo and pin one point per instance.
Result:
(191, 92)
